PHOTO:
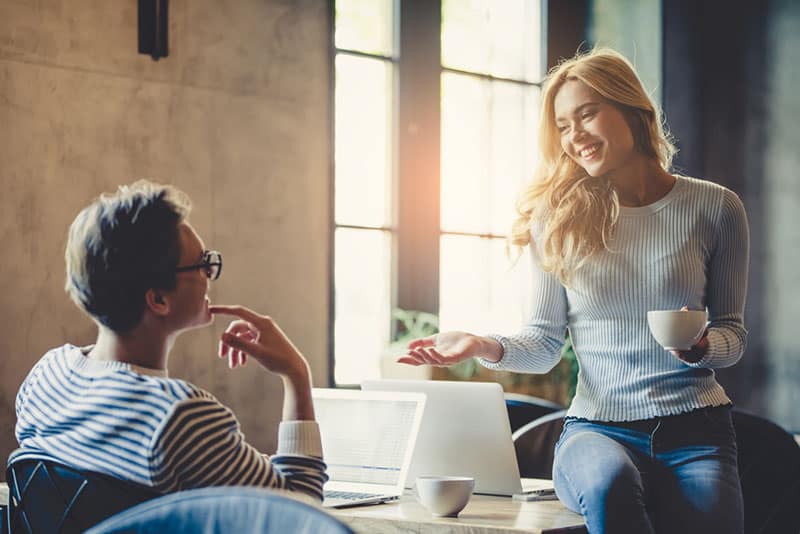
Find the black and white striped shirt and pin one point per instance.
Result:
(136, 424)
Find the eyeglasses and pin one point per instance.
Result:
(212, 263)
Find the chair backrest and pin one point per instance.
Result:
(46, 496)
(769, 470)
(535, 443)
(221, 510)
(522, 409)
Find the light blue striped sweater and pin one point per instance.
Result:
(688, 249)
(136, 424)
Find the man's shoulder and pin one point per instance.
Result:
(72, 365)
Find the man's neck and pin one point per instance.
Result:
(140, 346)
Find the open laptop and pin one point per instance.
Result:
(465, 431)
(367, 441)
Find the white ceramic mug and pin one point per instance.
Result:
(677, 329)
(444, 496)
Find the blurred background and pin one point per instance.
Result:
(357, 163)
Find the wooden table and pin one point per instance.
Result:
(483, 515)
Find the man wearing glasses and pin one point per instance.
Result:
(140, 270)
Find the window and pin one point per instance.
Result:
(433, 141)
(364, 107)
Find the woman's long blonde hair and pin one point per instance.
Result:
(576, 213)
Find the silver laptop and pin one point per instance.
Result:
(465, 431)
(367, 441)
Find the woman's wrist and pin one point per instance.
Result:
(491, 349)
(696, 353)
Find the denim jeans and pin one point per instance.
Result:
(675, 474)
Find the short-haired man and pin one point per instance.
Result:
(140, 270)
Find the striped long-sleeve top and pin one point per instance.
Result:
(690, 248)
(136, 424)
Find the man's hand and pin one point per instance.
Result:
(259, 337)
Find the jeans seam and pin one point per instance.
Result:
(653, 438)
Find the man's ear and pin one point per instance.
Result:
(157, 302)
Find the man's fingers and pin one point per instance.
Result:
(241, 344)
(237, 311)
(240, 325)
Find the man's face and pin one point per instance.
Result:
(189, 300)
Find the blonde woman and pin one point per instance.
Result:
(648, 444)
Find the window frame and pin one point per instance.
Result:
(417, 134)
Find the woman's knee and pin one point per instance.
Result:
(598, 468)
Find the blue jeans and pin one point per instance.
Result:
(675, 474)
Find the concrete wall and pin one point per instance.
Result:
(237, 116)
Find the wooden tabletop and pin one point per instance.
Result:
(483, 515)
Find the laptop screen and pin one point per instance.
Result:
(458, 413)
(367, 438)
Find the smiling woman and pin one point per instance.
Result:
(648, 443)
(594, 133)
(596, 119)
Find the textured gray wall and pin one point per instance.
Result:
(781, 191)
(237, 116)
(731, 73)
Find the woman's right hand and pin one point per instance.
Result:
(448, 348)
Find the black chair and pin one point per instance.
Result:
(769, 467)
(221, 510)
(522, 409)
(535, 443)
(46, 496)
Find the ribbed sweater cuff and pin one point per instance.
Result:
(300, 438)
(489, 364)
(718, 351)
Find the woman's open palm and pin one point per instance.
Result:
(446, 348)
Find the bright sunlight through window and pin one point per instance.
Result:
(491, 67)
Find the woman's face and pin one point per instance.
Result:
(594, 133)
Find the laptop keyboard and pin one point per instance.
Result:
(349, 495)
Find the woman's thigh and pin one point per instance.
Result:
(601, 478)
(698, 488)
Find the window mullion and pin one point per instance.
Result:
(419, 160)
